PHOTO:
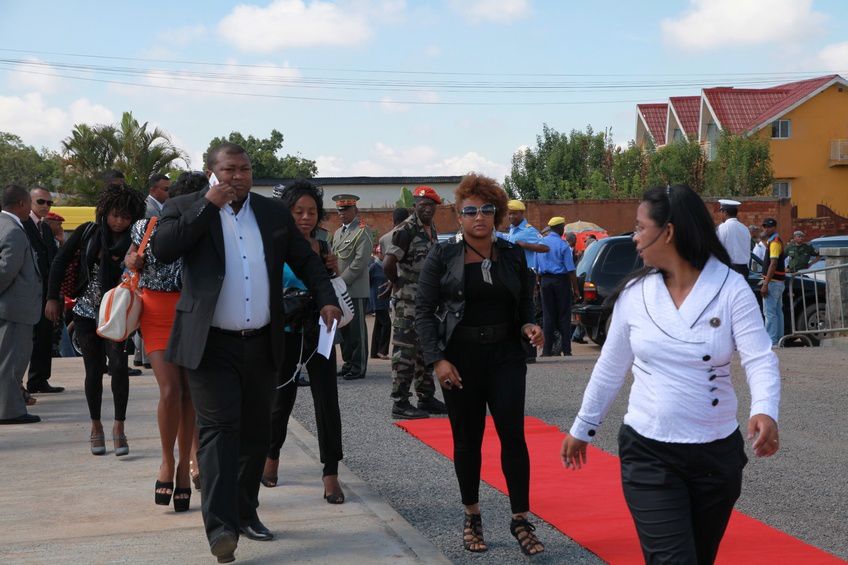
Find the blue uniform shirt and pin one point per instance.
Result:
(526, 233)
(559, 259)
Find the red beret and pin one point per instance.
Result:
(427, 192)
(54, 216)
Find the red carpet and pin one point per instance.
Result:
(588, 505)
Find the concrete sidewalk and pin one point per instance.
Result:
(60, 504)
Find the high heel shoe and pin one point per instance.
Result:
(182, 498)
(98, 444)
(163, 498)
(195, 475)
(121, 446)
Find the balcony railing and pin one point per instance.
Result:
(838, 152)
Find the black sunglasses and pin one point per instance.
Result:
(472, 211)
(42, 202)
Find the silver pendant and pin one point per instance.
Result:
(486, 267)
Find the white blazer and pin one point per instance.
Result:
(680, 358)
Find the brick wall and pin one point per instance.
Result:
(826, 222)
(616, 216)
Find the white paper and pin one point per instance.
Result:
(325, 337)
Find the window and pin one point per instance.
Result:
(620, 259)
(780, 129)
(781, 189)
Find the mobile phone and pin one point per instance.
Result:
(213, 180)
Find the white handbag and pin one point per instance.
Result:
(120, 309)
(345, 301)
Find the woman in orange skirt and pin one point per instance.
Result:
(160, 286)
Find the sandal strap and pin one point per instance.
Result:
(474, 526)
(529, 539)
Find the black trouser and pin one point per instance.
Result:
(741, 269)
(493, 375)
(556, 307)
(381, 335)
(529, 348)
(95, 350)
(355, 340)
(41, 360)
(680, 495)
(232, 390)
(325, 397)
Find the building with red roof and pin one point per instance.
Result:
(805, 123)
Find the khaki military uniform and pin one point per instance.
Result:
(411, 243)
(353, 249)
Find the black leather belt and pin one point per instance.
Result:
(556, 275)
(482, 334)
(243, 334)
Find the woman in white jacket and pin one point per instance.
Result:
(675, 325)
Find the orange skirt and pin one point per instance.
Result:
(158, 310)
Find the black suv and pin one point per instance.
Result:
(607, 261)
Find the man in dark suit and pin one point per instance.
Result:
(228, 330)
(43, 243)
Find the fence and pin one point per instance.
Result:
(818, 318)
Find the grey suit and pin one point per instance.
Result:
(20, 310)
(353, 249)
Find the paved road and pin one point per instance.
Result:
(801, 491)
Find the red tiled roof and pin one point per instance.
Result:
(688, 110)
(741, 109)
(655, 116)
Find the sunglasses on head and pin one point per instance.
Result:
(42, 202)
(472, 211)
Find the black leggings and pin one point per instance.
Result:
(323, 384)
(493, 375)
(95, 350)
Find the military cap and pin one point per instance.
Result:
(556, 221)
(427, 192)
(725, 203)
(345, 200)
(516, 206)
(769, 223)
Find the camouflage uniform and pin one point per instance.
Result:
(798, 256)
(410, 244)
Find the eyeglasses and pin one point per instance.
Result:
(472, 211)
(42, 202)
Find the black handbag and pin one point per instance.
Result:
(299, 308)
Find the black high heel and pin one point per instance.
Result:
(182, 498)
(163, 498)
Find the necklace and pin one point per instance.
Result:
(486, 265)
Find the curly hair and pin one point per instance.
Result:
(485, 188)
(292, 193)
(123, 200)
(187, 183)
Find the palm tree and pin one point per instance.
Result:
(144, 151)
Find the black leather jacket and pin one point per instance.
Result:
(440, 302)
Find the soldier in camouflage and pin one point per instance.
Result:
(404, 258)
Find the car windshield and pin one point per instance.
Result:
(589, 257)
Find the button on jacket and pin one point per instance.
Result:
(680, 359)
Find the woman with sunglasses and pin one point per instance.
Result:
(160, 285)
(473, 310)
(675, 326)
(305, 201)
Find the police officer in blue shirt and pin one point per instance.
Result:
(525, 236)
(559, 286)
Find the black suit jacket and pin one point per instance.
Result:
(190, 228)
(45, 247)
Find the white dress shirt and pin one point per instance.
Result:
(680, 359)
(736, 239)
(244, 301)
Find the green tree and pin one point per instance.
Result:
(405, 200)
(137, 150)
(23, 164)
(265, 156)
(742, 167)
(682, 162)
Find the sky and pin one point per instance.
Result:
(393, 87)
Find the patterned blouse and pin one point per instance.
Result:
(88, 304)
(164, 277)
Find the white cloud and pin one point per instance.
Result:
(711, 24)
(293, 23)
(498, 11)
(833, 58)
(392, 106)
(419, 160)
(35, 74)
(38, 123)
(433, 51)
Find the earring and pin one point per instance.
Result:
(494, 235)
